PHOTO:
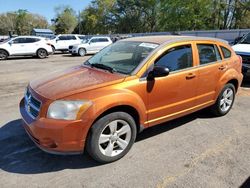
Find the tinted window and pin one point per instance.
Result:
(226, 52)
(208, 53)
(31, 40)
(103, 40)
(94, 40)
(177, 58)
(82, 37)
(63, 38)
(71, 38)
(19, 40)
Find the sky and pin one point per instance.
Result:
(42, 7)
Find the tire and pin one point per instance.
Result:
(224, 101)
(3, 55)
(42, 53)
(111, 137)
(81, 52)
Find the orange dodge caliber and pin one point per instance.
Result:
(130, 85)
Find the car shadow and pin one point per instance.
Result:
(18, 154)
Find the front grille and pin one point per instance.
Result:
(70, 47)
(32, 105)
(245, 59)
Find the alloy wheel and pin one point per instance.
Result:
(114, 138)
(226, 100)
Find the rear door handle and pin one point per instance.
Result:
(190, 76)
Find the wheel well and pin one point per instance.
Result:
(235, 83)
(124, 108)
(5, 51)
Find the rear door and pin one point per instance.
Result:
(209, 71)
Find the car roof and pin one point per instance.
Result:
(161, 39)
(26, 36)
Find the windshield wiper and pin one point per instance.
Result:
(102, 66)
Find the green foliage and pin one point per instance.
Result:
(21, 21)
(65, 21)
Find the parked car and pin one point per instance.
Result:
(130, 85)
(91, 46)
(242, 48)
(25, 46)
(62, 42)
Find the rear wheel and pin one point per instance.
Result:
(225, 100)
(42, 53)
(81, 52)
(3, 55)
(111, 137)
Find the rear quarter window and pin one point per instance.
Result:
(226, 52)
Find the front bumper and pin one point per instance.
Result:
(54, 136)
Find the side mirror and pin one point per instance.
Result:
(10, 43)
(158, 71)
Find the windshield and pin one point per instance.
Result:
(123, 56)
(245, 39)
(85, 41)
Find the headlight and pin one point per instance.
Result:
(67, 110)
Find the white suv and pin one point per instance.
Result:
(91, 46)
(62, 42)
(25, 45)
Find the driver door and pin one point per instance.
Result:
(173, 95)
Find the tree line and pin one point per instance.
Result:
(136, 16)
(21, 22)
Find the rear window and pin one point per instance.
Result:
(226, 52)
(208, 53)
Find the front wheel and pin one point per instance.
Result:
(111, 137)
(81, 52)
(225, 100)
(42, 53)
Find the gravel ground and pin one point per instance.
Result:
(197, 150)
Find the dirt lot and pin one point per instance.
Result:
(194, 151)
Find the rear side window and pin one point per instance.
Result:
(32, 40)
(208, 53)
(177, 58)
(226, 52)
(71, 37)
(103, 40)
(63, 38)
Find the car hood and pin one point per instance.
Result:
(73, 81)
(244, 48)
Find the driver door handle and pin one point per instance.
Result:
(190, 76)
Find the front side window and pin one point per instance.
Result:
(19, 41)
(177, 58)
(123, 56)
(208, 53)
